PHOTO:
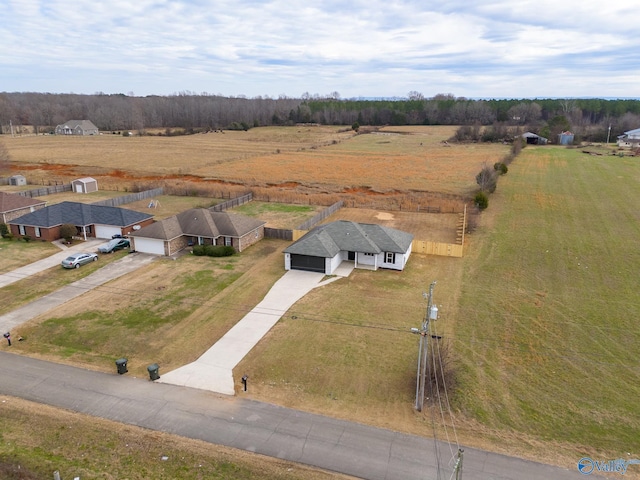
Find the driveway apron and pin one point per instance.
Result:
(214, 369)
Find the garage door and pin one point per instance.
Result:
(148, 245)
(107, 231)
(306, 262)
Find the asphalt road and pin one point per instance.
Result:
(335, 445)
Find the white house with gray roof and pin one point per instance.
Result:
(369, 246)
(630, 139)
(77, 127)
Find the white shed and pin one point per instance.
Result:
(17, 180)
(84, 185)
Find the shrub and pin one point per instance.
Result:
(67, 231)
(4, 230)
(501, 168)
(487, 179)
(198, 250)
(481, 200)
(219, 251)
(26, 238)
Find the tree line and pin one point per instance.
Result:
(590, 119)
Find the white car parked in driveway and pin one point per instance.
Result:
(76, 259)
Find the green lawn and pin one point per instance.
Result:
(547, 334)
(18, 253)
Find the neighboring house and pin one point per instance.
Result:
(369, 246)
(84, 185)
(533, 139)
(13, 206)
(630, 139)
(77, 127)
(198, 226)
(90, 220)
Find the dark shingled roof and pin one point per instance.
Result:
(80, 214)
(327, 240)
(200, 222)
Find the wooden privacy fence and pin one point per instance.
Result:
(41, 192)
(234, 202)
(436, 248)
(132, 197)
(279, 233)
(321, 216)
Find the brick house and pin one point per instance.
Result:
(198, 226)
(13, 206)
(97, 221)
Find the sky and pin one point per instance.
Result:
(355, 48)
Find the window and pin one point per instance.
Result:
(390, 257)
(227, 241)
(368, 254)
(37, 232)
(21, 229)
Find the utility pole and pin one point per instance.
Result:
(608, 133)
(458, 466)
(423, 348)
(11, 127)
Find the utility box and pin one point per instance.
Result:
(153, 371)
(121, 365)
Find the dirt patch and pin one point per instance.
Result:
(384, 216)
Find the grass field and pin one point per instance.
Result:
(300, 160)
(547, 333)
(540, 312)
(38, 440)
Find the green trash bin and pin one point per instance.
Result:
(153, 371)
(121, 365)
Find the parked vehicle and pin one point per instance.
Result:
(113, 245)
(76, 259)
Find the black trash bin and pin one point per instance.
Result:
(153, 371)
(121, 364)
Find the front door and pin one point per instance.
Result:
(351, 256)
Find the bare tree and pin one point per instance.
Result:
(5, 158)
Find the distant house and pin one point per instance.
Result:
(533, 139)
(84, 185)
(630, 139)
(77, 127)
(369, 246)
(198, 226)
(13, 206)
(97, 221)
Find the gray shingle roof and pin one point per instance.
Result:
(327, 240)
(80, 214)
(200, 222)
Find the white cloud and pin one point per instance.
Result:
(358, 48)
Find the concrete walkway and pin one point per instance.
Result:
(54, 260)
(214, 369)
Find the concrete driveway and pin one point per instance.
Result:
(214, 369)
(130, 263)
(54, 260)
